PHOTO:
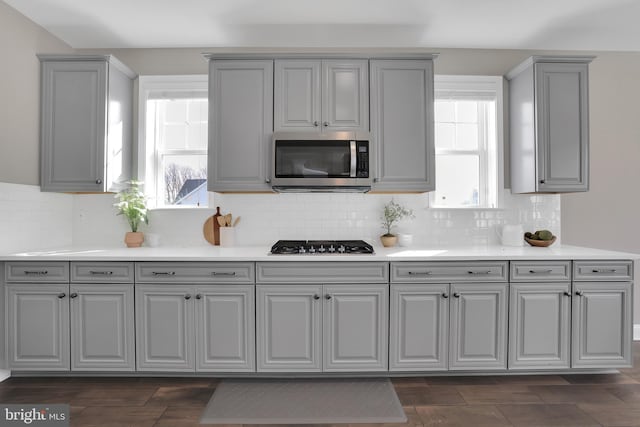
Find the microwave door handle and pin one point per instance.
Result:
(352, 174)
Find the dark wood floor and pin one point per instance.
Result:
(542, 400)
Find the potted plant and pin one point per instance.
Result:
(393, 213)
(132, 205)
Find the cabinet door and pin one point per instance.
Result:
(602, 319)
(478, 326)
(289, 328)
(419, 329)
(240, 124)
(297, 96)
(562, 127)
(164, 328)
(345, 95)
(38, 327)
(539, 322)
(73, 125)
(225, 323)
(355, 327)
(102, 328)
(402, 124)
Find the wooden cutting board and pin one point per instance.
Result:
(211, 228)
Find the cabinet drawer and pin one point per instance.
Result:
(25, 271)
(195, 272)
(602, 270)
(102, 272)
(323, 272)
(540, 271)
(443, 272)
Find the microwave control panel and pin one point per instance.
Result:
(362, 148)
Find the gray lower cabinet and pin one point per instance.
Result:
(38, 326)
(86, 123)
(402, 124)
(549, 129)
(102, 327)
(478, 326)
(539, 325)
(187, 328)
(602, 325)
(419, 327)
(240, 124)
(330, 328)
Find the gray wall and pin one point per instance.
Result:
(20, 40)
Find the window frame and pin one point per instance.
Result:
(148, 160)
(477, 85)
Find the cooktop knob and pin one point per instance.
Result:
(321, 249)
(341, 249)
(312, 250)
(332, 249)
(302, 250)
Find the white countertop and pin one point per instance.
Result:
(260, 253)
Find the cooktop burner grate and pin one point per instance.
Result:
(321, 247)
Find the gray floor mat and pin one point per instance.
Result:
(304, 401)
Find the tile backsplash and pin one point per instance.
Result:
(30, 219)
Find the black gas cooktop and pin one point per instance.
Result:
(320, 247)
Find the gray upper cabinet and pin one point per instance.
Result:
(549, 125)
(240, 124)
(319, 95)
(86, 123)
(402, 124)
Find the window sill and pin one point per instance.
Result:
(181, 208)
(460, 208)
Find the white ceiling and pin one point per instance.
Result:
(504, 24)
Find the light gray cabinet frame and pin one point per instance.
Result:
(86, 125)
(549, 124)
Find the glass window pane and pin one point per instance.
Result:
(185, 179)
(445, 111)
(445, 135)
(466, 136)
(198, 111)
(175, 110)
(197, 136)
(174, 136)
(467, 111)
(457, 180)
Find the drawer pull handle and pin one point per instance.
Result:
(101, 273)
(567, 294)
(418, 273)
(445, 295)
(316, 296)
(540, 271)
(62, 295)
(579, 293)
(73, 295)
(198, 296)
(456, 295)
(602, 270)
(36, 272)
(479, 272)
(163, 273)
(187, 297)
(327, 296)
(224, 273)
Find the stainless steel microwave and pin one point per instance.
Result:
(321, 162)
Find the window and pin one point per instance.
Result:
(173, 115)
(468, 142)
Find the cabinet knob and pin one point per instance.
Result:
(62, 295)
(327, 296)
(73, 295)
(267, 180)
(316, 297)
(567, 294)
(198, 296)
(187, 296)
(316, 123)
(456, 295)
(445, 295)
(542, 181)
(579, 293)
(98, 181)
(325, 124)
